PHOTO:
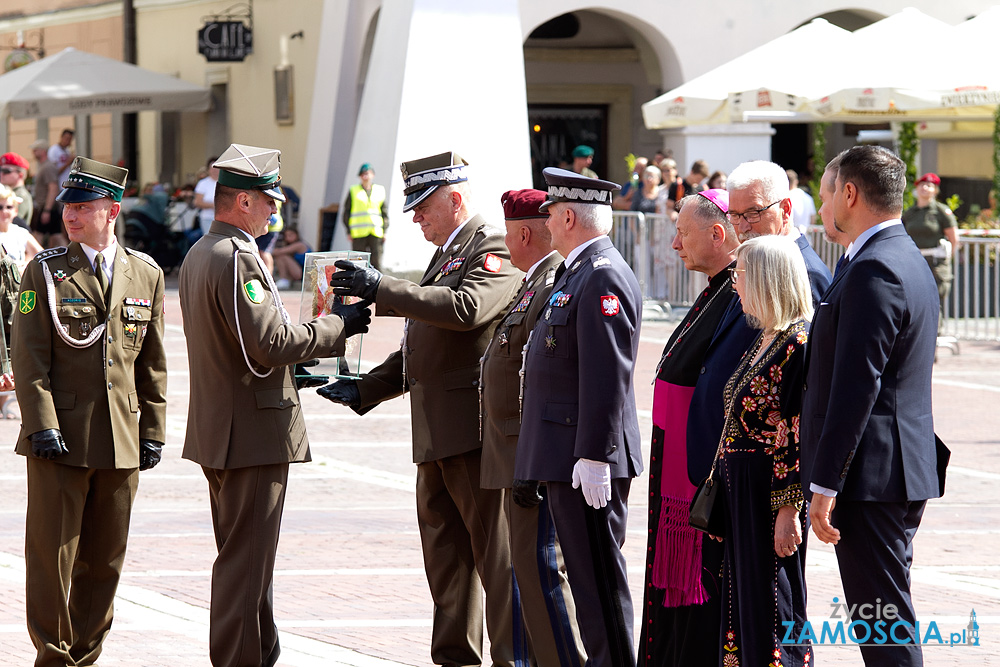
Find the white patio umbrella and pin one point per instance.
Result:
(890, 82)
(974, 89)
(76, 82)
(771, 80)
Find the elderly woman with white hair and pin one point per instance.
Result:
(758, 462)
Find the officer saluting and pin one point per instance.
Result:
(244, 421)
(91, 374)
(579, 425)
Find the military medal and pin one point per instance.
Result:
(502, 338)
(59, 275)
(130, 330)
(84, 328)
(138, 302)
(130, 311)
(550, 342)
(523, 304)
(559, 299)
(144, 326)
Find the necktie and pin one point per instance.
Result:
(560, 270)
(841, 264)
(102, 277)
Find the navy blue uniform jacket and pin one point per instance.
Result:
(579, 398)
(866, 427)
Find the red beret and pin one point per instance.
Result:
(13, 159)
(930, 177)
(522, 204)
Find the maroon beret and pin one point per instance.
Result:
(522, 204)
(930, 177)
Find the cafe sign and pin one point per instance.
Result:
(225, 41)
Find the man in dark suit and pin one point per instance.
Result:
(450, 318)
(91, 373)
(868, 446)
(579, 428)
(545, 614)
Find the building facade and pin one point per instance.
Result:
(510, 85)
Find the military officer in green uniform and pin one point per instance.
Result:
(546, 613)
(933, 228)
(450, 317)
(91, 373)
(244, 421)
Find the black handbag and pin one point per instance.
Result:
(707, 510)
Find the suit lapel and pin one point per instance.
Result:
(452, 251)
(599, 245)
(83, 275)
(121, 279)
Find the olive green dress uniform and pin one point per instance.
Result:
(104, 398)
(926, 226)
(546, 602)
(244, 426)
(451, 316)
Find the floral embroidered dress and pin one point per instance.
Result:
(759, 467)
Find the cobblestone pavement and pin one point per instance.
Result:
(349, 586)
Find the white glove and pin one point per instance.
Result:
(595, 478)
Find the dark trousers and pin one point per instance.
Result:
(370, 244)
(246, 516)
(591, 540)
(874, 554)
(545, 608)
(466, 546)
(74, 548)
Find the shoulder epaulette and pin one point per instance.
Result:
(143, 256)
(489, 230)
(50, 253)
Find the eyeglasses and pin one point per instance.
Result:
(733, 271)
(752, 216)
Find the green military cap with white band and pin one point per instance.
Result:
(251, 168)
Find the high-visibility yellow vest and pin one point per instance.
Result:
(276, 222)
(366, 212)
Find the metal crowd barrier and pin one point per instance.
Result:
(972, 311)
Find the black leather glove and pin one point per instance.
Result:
(526, 493)
(149, 453)
(352, 280)
(304, 379)
(48, 444)
(342, 391)
(356, 316)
